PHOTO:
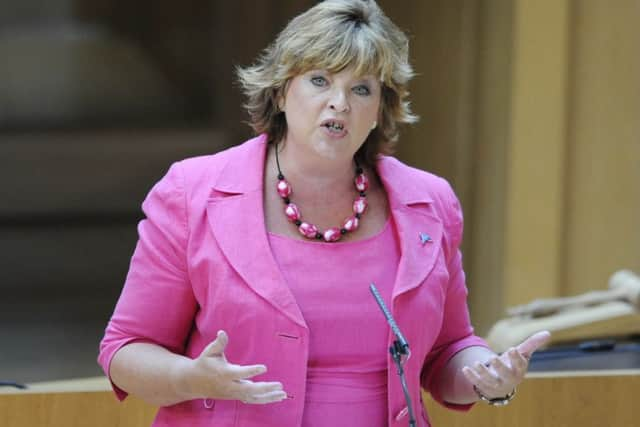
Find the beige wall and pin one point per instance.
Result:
(602, 220)
(531, 110)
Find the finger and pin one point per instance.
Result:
(478, 380)
(471, 375)
(505, 373)
(518, 362)
(489, 378)
(245, 389)
(217, 346)
(534, 342)
(485, 370)
(261, 399)
(238, 372)
(254, 388)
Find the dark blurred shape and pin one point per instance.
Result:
(589, 355)
(82, 64)
(80, 75)
(97, 99)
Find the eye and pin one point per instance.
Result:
(318, 81)
(361, 90)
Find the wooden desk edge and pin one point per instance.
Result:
(102, 384)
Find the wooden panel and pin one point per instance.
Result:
(603, 212)
(556, 200)
(585, 401)
(446, 53)
(484, 228)
(593, 399)
(535, 161)
(73, 410)
(442, 49)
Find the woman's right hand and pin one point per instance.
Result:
(211, 376)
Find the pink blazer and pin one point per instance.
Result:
(203, 263)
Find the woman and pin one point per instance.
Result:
(248, 304)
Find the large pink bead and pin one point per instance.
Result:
(292, 212)
(351, 223)
(362, 183)
(360, 205)
(332, 235)
(308, 230)
(284, 189)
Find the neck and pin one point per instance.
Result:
(314, 176)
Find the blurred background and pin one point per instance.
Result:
(529, 108)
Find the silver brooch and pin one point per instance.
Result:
(425, 238)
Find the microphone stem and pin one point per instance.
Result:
(397, 358)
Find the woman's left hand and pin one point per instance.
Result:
(500, 375)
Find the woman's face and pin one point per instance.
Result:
(331, 114)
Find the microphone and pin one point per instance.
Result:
(400, 347)
(403, 345)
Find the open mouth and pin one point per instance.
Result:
(334, 126)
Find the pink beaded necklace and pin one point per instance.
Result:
(309, 230)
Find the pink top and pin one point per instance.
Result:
(203, 263)
(347, 365)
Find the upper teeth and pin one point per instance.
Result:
(335, 126)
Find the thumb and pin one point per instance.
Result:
(217, 346)
(534, 342)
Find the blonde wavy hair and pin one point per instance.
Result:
(334, 35)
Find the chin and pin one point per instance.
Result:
(333, 150)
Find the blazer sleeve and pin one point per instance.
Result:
(157, 304)
(456, 332)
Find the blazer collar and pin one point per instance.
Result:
(404, 185)
(418, 227)
(236, 215)
(243, 172)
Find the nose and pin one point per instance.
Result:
(339, 101)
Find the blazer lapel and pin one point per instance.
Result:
(420, 237)
(419, 229)
(236, 217)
